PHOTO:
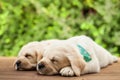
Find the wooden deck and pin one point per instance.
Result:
(7, 72)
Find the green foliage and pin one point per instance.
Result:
(22, 21)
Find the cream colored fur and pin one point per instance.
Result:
(64, 57)
(31, 53)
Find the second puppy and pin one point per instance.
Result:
(75, 56)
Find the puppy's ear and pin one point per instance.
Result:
(40, 52)
(77, 63)
(38, 55)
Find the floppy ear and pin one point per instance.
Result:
(38, 54)
(77, 63)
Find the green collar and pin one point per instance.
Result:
(85, 54)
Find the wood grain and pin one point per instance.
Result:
(7, 72)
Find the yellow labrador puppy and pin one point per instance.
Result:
(30, 54)
(75, 56)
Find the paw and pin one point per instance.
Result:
(67, 71)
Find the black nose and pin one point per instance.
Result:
(18, 63)
(40, 65)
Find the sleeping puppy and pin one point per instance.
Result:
(30, 54)
(75, 56)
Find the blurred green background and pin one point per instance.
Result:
(23, 21)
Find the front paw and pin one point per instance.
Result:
(67, 71)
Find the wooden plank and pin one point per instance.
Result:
(7, 72)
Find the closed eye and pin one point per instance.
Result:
(54, 60)
(28, 56)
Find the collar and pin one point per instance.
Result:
(85, 54)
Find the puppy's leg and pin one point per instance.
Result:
(112, 59)
(115, 59)
(67, 71)
(92, 66)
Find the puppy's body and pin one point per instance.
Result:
(30, 54)
(100, 56)
(68, 60)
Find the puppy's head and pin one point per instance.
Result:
(27, 57)
(58, 56)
